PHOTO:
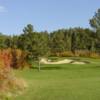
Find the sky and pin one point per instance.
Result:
(44, 15)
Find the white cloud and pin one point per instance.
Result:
(3, 9)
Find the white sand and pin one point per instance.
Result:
(65, 61)
(76, 62)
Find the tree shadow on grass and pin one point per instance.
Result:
(66, 67)
(49, 68)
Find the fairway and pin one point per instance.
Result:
(62, 82)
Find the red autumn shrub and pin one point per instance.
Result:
(8, 82)
(18, 59)
(14, 58)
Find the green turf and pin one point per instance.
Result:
(62, 82)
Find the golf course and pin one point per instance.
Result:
(50, 50)
(62, 81)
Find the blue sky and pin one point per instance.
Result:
(45, 14)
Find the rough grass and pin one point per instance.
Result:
(62, 82)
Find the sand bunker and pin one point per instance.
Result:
(65, 61)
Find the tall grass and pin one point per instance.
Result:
(77, 53)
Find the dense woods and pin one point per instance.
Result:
(63, 42)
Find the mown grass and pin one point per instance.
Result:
(62, 82)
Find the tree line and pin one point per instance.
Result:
(64, 42)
